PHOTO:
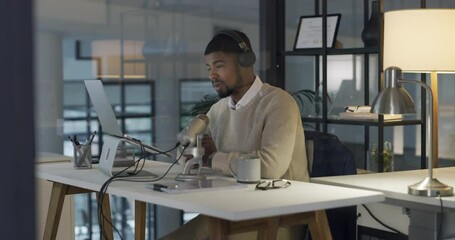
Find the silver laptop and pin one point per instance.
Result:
(114, 138)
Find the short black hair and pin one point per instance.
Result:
(224, 43)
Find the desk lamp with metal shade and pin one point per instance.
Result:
(419, 41)
(394, 99)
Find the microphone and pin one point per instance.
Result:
(198, 125)
(188, 137)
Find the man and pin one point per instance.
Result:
(251, 117)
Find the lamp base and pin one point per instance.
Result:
(430, 187)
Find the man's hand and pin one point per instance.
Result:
(209, 147)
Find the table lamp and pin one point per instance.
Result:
(394, 99)
(419, 41)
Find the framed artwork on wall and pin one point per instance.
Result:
(309, 32)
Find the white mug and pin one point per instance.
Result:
(248, 169)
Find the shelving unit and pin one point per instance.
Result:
(320, 60)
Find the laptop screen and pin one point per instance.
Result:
(107, 117)
(102, 107)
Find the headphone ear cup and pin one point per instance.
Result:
(246, 59)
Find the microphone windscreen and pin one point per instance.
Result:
(204, 118)
(198, 125)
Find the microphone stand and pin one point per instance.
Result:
(192, 169)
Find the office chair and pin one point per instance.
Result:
(328, 156)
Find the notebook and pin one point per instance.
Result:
(114, 137)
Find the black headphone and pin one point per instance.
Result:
(245, 59)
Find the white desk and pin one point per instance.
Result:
(226, 207)
(424, 211)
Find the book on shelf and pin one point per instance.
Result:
(373, 116)
(363, 112)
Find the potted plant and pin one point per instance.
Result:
(303, 96)
(204, 105)
(388, 157)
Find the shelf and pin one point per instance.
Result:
(372, 122)
(331, 51)
(363, 122)
(312, 120)
(370, 74)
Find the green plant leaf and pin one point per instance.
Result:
(307, 93)
(205, 104)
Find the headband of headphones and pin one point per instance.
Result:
(232, 34)
(245, 59)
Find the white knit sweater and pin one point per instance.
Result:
(270, 126)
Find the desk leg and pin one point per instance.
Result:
(267, 228)
(139, 222)
(219, 229)
(319, 226)
(59, 191)
(55, 210)
(107, 213)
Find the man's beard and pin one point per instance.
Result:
(230, 90)
(227, 93)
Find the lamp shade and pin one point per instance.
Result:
(393, 98)
(420, 40)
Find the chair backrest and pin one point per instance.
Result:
(327, 155)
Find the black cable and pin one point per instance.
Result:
(380, 222)
(102, 193)
(139, 142)
(154, 179)
(101, 216)
(136, 171)
(172, 149)
(441, 218)
(116, 177)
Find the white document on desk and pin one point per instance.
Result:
(195, 186)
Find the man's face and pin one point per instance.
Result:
(223, 71)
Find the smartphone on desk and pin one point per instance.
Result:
(190, 186)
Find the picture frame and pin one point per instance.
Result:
(309, 31)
